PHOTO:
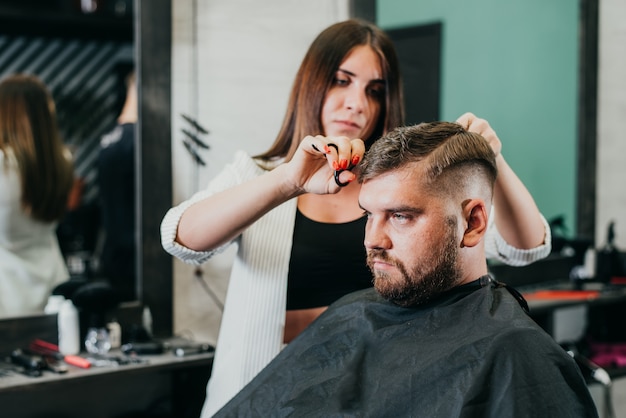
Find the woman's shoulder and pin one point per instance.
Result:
(7, 158)
(244, 159)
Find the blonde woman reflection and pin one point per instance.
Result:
(36, 176)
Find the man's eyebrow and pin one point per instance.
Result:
(404, 208)
(409, 209)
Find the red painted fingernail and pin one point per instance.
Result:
(355, 160)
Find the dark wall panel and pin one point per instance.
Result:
(419, 53)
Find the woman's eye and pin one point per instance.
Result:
(341, 81)
(377, 93)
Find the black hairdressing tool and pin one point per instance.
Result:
(195, 124)
(54, 365)
(7, 368)
(183, 350)
(31, 365)
(337, 172)
(104, 360)
(193, 152)
(149, 347)
(32, 360)
(196, 139)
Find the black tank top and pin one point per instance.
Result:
(327, 262)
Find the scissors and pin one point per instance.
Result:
(337, 172)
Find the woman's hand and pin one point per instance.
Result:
(517, 216)
(219, 218)
(313, 166)
(480, 126)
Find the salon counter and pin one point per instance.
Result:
(542, 299)
(544, 302)
(163, 385)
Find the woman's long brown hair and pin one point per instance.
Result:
(29, 132)
(316, 75)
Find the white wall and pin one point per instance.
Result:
(611, 158)
(233, 66)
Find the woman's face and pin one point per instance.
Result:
(352, 105)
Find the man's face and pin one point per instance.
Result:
(411, 237)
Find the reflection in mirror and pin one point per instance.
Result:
(36, 178)
(116, 186)
(82, 57)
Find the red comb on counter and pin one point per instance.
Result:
(562, 295)
(48, 349)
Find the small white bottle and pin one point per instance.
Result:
(54, 304)
(146, 319)
(69, 331)
(115, 334)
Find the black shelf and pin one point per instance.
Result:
(65, 19)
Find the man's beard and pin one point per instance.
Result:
(429, 278)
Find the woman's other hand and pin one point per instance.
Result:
(472, 123)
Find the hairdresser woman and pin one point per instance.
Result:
(299, 229)
(36, 175)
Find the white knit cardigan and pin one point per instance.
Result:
(251, 330)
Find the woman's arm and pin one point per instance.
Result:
(517, 216)
(217, 219)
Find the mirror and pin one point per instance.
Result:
(82, 55)
(152, 30)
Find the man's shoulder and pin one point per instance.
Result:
(510, 324)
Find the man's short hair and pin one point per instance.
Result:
(442, 146)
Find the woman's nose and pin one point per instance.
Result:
(356, 100)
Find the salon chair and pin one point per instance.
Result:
(598, 380)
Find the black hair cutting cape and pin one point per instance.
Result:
(474, 352)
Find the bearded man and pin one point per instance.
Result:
(437, 336)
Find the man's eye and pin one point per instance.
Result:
(400, 217)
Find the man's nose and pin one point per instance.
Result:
(376, 237)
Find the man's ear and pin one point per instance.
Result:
(475, 214)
